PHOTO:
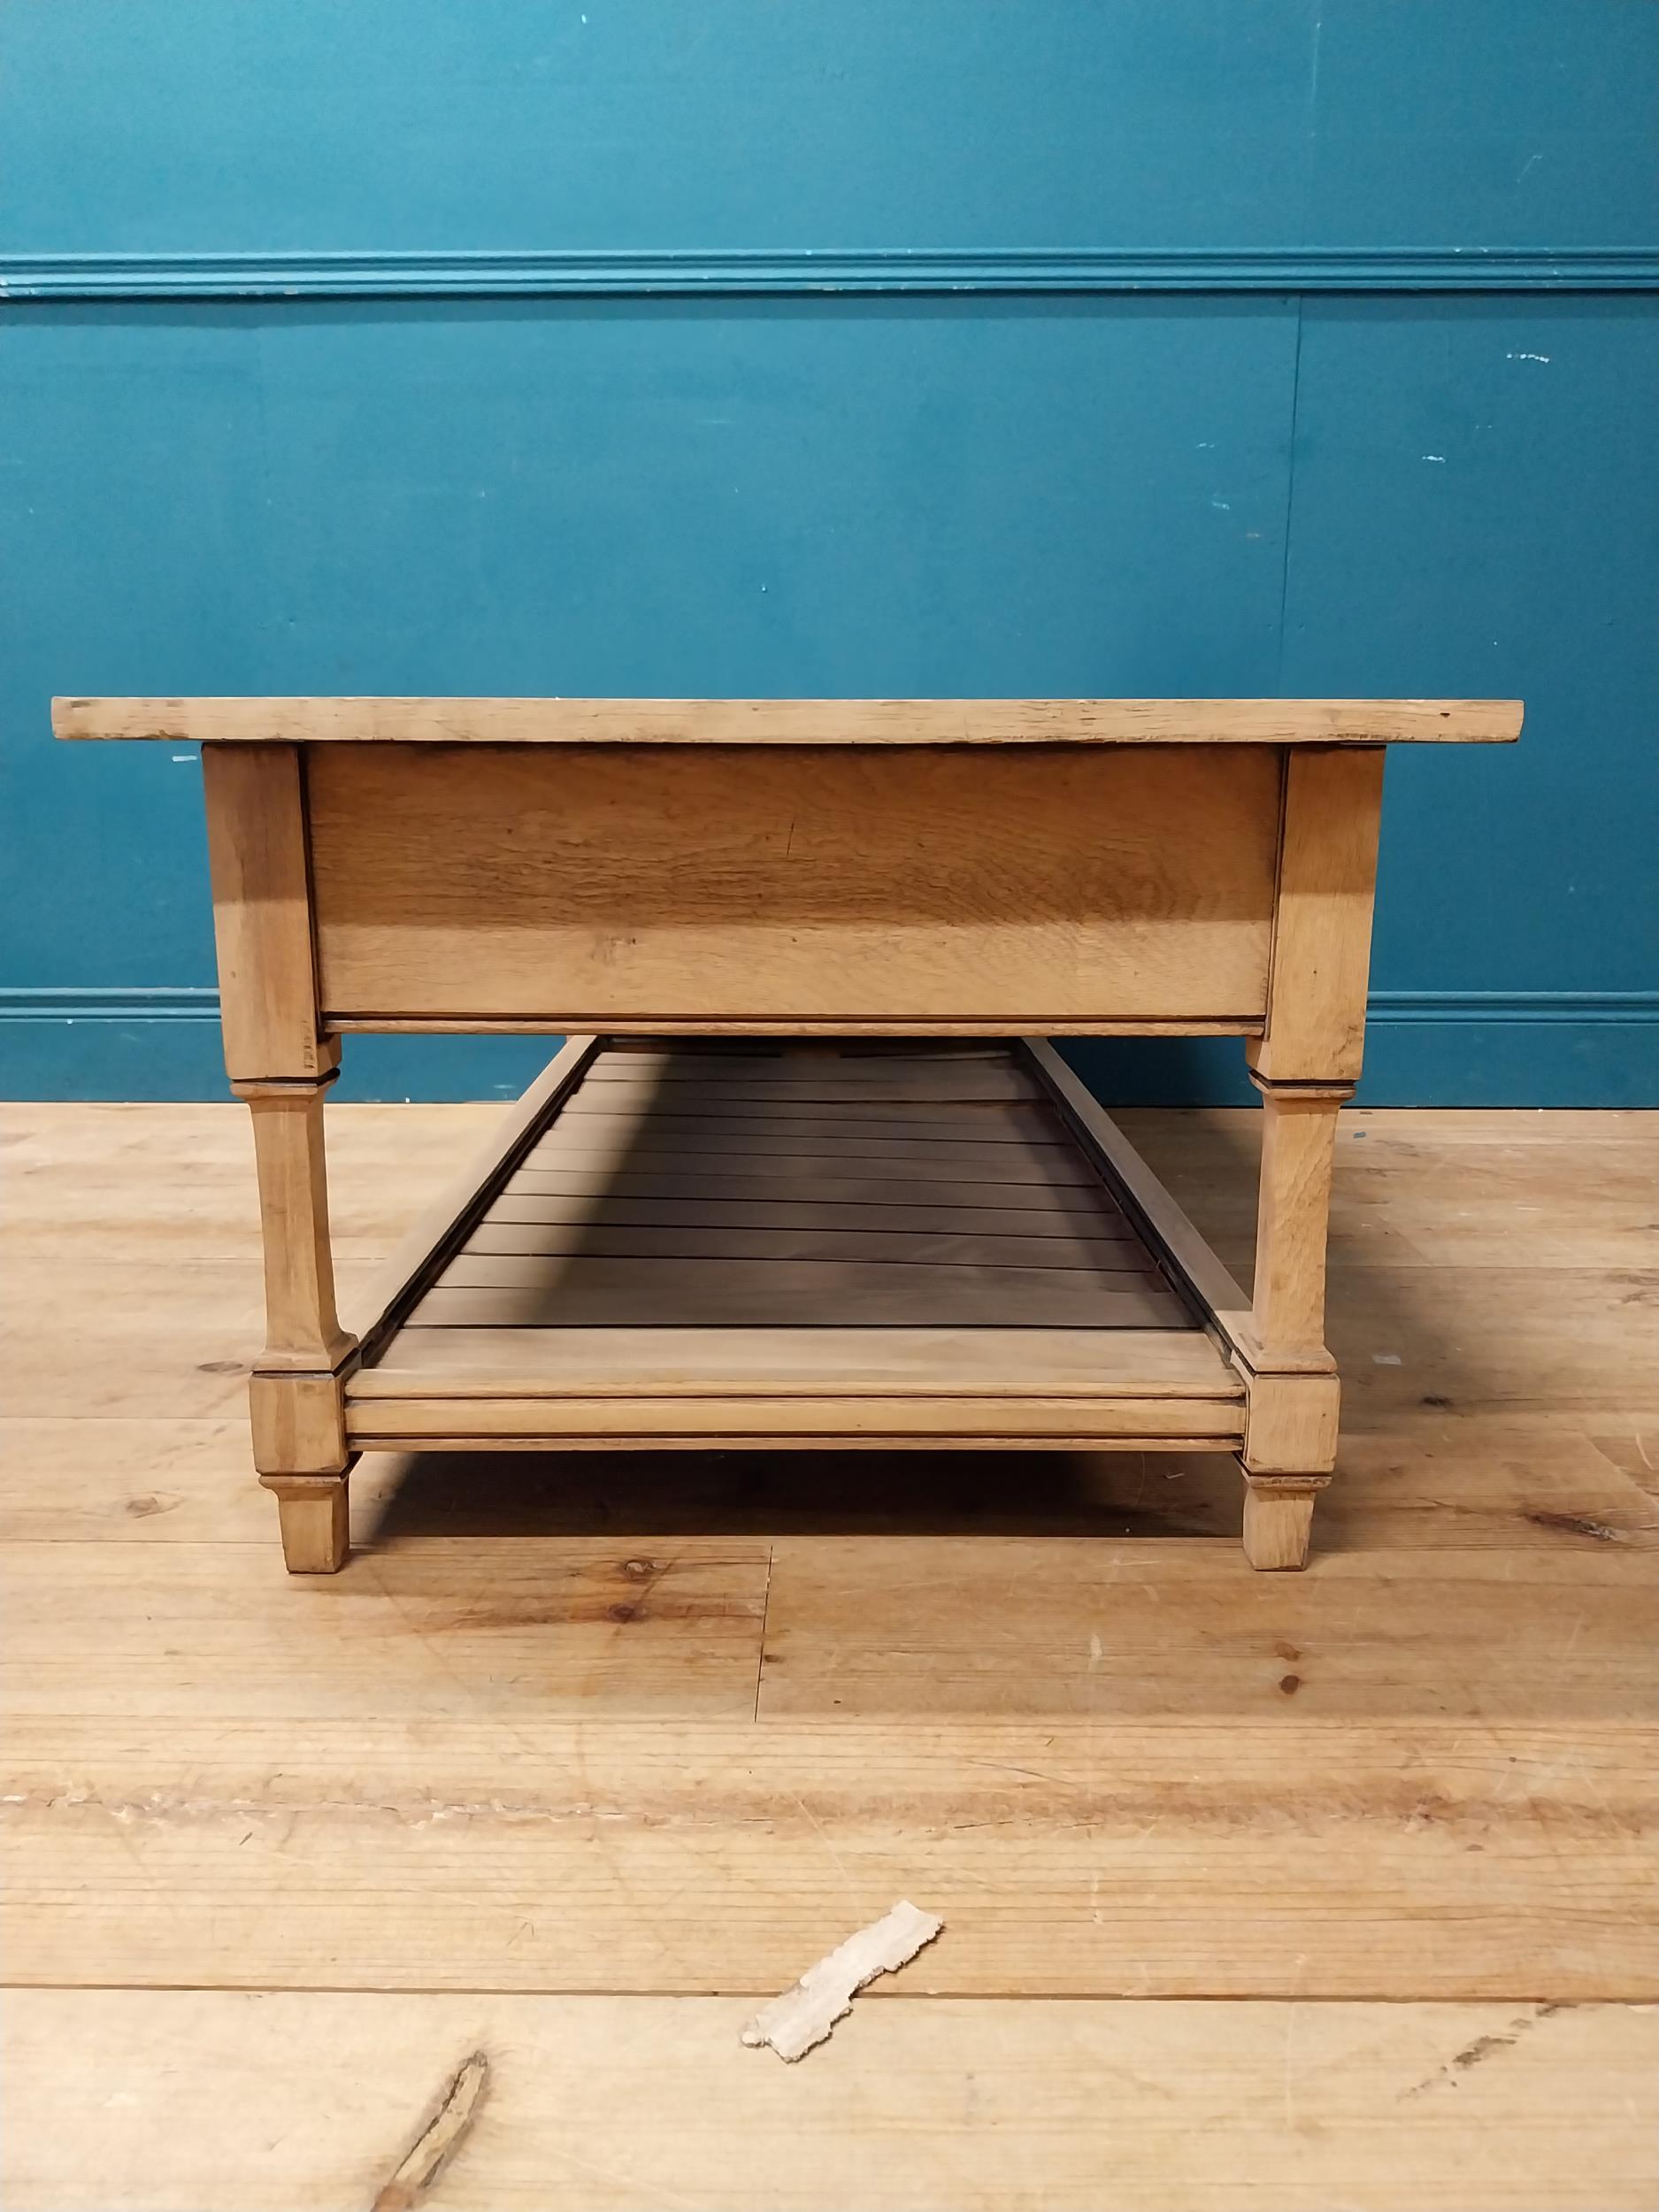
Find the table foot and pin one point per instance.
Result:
(1278, 1519)
(315, 1518)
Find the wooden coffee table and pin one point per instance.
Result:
(803, 1175)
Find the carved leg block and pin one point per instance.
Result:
(299, 1447)
(298, 1423)
(1290, 1424)
(1278, 1521)
(315, 1514)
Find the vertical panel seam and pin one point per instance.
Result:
(1290, 496)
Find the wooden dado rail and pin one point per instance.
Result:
(905, 868)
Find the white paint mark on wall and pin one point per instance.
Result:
(794, 2024)
(1435, 456)
(1527, 357)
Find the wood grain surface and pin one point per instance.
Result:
(1330, 1889)
(602, 887)
(970, 2103)
(796, 721)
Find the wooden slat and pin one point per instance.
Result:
(474, 1424)
(1009, 1168)
(837, 1084)
(1087, 1214)
(476, 1268)
(1120, 1269)
(640, 1049)
(797, 721)
(444, 1220)
(990, 1362)
(432, 1436)
(643, 1145)
(1183, 2107)
(648, 1051)
(937, 1248)
(765, 1293)
(1573, 1370)
(482, 1828)
(737, 1121)
(789, 1181)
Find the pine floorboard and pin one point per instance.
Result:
(1278, 1891)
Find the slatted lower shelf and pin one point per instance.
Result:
(826, 1244)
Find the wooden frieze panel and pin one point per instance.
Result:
(613, 886)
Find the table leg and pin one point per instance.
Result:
(1305, 1065)
(314, 1512)
(295, 1397)
(1290, 1438)
(1278, 1519)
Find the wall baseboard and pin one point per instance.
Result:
(696, 272)
(1524, 1048)
(1424, 1049)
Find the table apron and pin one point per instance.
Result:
(952, 890)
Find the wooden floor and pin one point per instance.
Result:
(1259, 1891)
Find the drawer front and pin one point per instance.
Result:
(607, 886)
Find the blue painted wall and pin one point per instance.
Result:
(1168, 346)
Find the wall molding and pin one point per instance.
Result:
(691, 272)
(1386, 1007)
(192, 1002)
(1528, 1049)
(113, 1003)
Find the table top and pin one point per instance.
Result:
(837, 722)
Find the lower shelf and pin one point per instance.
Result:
(835, 1244)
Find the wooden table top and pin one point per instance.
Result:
(837, 722)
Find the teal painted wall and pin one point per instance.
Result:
(1078, 346)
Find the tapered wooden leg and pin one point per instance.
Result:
(314, 1511)
(1298, 1141)
(303, 1331)
(1278, 1521)
(297, 1394)
(1291, 1385)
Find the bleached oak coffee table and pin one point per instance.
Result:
(805, 1174)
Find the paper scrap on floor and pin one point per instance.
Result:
(803, 2016)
